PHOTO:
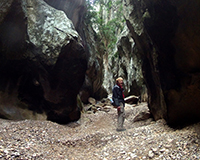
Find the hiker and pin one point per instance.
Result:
(118, 100)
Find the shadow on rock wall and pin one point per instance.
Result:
(169, 43)
(42, 66)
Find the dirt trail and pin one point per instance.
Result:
(95, 137)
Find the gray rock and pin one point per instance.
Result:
(151, 154)
(46, 54)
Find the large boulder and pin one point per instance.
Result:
(42, 62)
(75, 10)
(167, 36)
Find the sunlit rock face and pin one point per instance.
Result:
(167, 36)
(95, 73)
(92, 87)
(126, 62)
(74, 9)
(42, 62)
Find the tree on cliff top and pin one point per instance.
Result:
(106, 18)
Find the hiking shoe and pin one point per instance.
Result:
(121, 129)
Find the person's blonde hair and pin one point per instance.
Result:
(119, 78)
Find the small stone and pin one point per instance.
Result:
(106, 154)
(196, 141)
(133, 155)
(151, 154)
(123, 152)
(92, 100)
(168, 146)
(167, 150)
(154, 149)
(169, 140)
(194, 157)
(162, 150)
(5, 151)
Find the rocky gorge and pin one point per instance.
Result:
(154, 51)
(52, 62)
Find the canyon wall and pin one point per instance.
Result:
(42, 62)
(166, 34)
(49, 55)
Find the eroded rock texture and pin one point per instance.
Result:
(126, 62)
(42, 62)
(167, 36)
(95, 73)
(75, 10)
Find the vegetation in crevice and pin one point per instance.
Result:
(106, 18)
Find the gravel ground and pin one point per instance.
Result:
(94, 137)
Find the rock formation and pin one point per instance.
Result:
(158, 54)
(107, 63)
(42, 62)
(166, 34)
(127, 63)
(75, 10)
(93, 85)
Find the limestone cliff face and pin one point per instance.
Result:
(166, 34)
(75, 10)
(95, 72)
(42, 62)
(135, 14)
(104, 66)
(159, 48)
(125, 62)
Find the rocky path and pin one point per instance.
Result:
(94, 137)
